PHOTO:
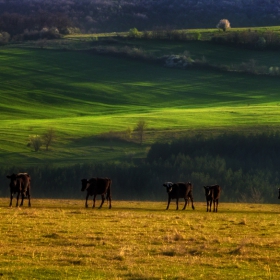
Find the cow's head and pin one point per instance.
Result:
(168, 186)
(13, 179)
(279, 194)
(207, 191)
(85, 183)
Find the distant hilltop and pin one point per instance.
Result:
(93, 16)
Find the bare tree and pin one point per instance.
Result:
(223, 24)
(255, 196)
(49, 137)
(140, 128)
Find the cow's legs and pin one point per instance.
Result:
(192, 202)
(86, 205)
(109, 198)
(210, 204)
(186, 202)
(215, 205)
(94, 197)
(11, 199)
(29, 201)
(103, 199)
(168, 202)
(17, 199)
(22, 198)
(177, 203)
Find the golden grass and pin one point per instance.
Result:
(60, 239)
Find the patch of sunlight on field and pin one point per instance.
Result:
(183, 118)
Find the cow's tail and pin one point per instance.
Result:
(108, 196)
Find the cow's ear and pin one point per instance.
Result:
(8, 176)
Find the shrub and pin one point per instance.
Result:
(197, 36)
(49, 33)
(134, 33)
(70, 30)
(261, 43)
(4, 38)
(35, 142)
(274, 70)
(176, 61)
(223, 24)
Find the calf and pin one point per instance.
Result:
(20, 185)
(179, 190)
(212, 194)
(95, 186)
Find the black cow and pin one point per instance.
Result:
(95, 186)
(212, 194)
(179, 190)
(20, 184)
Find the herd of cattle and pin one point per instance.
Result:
(20, 185)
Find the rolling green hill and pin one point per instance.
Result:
(87, 98)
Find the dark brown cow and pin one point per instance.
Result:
(212, 194)
(95, 186)
(20, 184)
(179, 190)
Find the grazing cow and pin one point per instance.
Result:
(95, 186)
(20, 184)
(179, 190)
(212, 194)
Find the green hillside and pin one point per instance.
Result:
(87, 98)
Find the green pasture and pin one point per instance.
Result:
(198, 50)
(60, 239)
(84, 96)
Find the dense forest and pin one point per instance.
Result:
(245, 166)
(66, 16)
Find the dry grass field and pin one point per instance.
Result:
(60, 239)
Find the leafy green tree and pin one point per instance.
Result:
(134, 33)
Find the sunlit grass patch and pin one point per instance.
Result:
(85, 97)
(138, 240)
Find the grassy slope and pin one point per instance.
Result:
(81, 95)
(60, 239)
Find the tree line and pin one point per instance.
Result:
(93, 16)
(245, 166)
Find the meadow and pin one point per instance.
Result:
(60, 239)
(87, 98)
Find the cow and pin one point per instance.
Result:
(212, 194)
(20, 185)
(179, 190)
(95, 186)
